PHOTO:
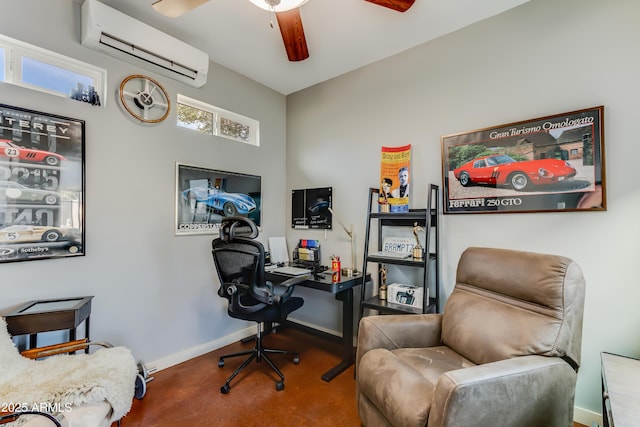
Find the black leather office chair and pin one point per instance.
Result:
(239, 261)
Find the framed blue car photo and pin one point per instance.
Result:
(205, 196)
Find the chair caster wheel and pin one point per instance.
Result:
(296, 360)
(221, 363)
(224, 389)
(142, 370)
(141, 387)
(280, 385)
(142, 378)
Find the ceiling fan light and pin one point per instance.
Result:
(283, 5)
(175, 8)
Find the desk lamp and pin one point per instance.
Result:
(352, 235)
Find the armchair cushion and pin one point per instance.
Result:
(403, 381)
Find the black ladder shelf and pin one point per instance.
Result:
(426, 218)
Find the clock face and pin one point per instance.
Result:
(144, 98)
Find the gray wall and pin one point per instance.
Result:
(154, 292)
(544, 57)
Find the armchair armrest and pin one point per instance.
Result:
(66, 347)
(6, 418)
(504, 392)
(82, 415)
(398, 331)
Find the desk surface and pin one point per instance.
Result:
(324, 282)
(622, 376)
(343, 291)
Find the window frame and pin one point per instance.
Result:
(15, 51)
(218, 114)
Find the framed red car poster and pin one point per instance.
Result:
(549, 164)
(41, 185)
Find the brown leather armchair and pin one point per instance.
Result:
(505, 351)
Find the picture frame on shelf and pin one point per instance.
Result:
(406, 294)
(548, 164)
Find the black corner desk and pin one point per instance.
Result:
(343, 291)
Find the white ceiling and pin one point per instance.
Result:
(342, 35)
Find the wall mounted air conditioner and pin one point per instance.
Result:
(114, 33)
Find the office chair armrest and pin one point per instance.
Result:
(285, 287)
(294, 280)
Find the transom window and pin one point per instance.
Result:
(211, 120)
(45, 71)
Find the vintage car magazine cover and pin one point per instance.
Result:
(394, 179)
(41, 185)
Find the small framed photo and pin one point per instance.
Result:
(549, 164)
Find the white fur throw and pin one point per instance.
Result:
(58, 381)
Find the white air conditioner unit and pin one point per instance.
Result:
(114, 33)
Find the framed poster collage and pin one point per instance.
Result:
(42, 180)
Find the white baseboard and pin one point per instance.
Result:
(316, 327)
(586, 417)
(190, 353)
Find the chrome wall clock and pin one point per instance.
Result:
(144, 98)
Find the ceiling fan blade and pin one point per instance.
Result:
(399, 5)
(295, 43)
(175, 8)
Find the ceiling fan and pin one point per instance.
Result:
(287, 13)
